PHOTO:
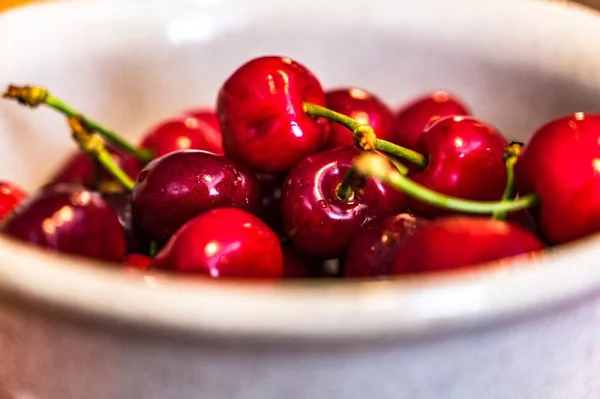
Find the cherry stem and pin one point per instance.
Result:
(379, 167)
(364, 135)
(353, 180)
(33, 96)
(93, 144)
(510, 155)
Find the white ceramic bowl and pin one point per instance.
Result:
(73, 329)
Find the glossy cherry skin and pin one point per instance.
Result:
(318, 222)
(376, 245)
(363, 107)
(80, 169)
(183, 132)
(206, 115)
(11, 195)
(298, 265)
(137, 261)
(465, 160)
(68, 218)
(178, 186)
(223, 242)
(457, 241)
(561, 163)
(120, 203)
(414, 117)
(262, 120)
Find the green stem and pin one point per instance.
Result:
(359, 129)
(345, 190)
(93, 144)
(106, 160)
(372, 165)
(33, 96)
(509, 190)
(401, 152)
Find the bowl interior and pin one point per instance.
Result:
(517, 63)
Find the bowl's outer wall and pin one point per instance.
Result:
(517, 63)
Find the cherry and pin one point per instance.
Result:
(223, 242)
(457, 241)
(182, 133)
(80, 169)
(207, 116)
(178, 186)
(377, 244)
(11, 195)
(321, 224)
(465, 160)
(413, 118)
(561, 163)
(71, 219)
(298, 265)
(365, 108)
(271, 187)
(137, 261)
(120, 203)
(262, 118)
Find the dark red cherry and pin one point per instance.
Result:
(465, 160)
(137, 261)
(561, 163)
(120, 202)
(363, 107)
(80, 169)
(182, 133)
(298, 265)
(178, 186)
(457, 241)
(271, 187)
(223, 242)
(414, 117)
(11, 195)
(70, 219)
(262, 120)
(377, 244)
(319, 223)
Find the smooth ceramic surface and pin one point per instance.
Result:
(73, 329)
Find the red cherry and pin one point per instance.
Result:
(465, 160)
(68, 218)
(178, 186)
(297, 265)
(206, 115)
(11, 195)
(413, 118)
(137, 261)
(377, 244)
(561, 163)
(456, 242)
(319, 223)
(224, 242)
(183, 133)
(363, 107)
(79, 169)
(260, 110)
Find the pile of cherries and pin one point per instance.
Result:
(283, 177)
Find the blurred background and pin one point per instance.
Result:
(5, 4)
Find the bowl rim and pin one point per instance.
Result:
(310, 310)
